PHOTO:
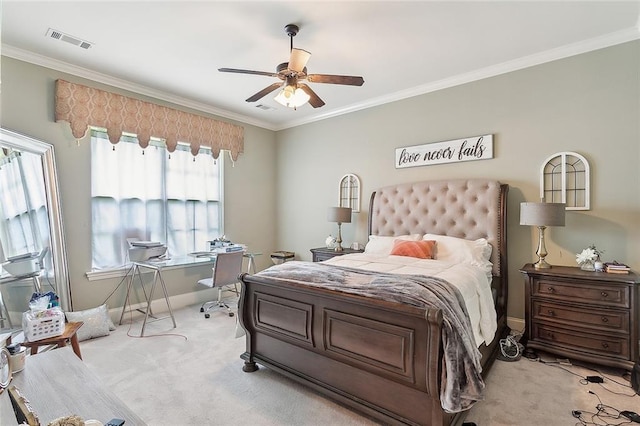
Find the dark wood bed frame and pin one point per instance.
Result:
(380, 358)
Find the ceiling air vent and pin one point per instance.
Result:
(59, 35)
(265, 107)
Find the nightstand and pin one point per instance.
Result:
(323, 253)
(589, 316)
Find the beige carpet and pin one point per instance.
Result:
(192, 375)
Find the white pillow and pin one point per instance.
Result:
(96, 321)
(458, 250)
(382, 245)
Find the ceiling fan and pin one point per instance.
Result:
(294, 93)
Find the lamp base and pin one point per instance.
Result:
(541, 264)
(339, 239)
(542, 251)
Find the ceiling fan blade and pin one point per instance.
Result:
(314, 99)
(349, 80)
(298, 59)
(264, 92)
(239, 71)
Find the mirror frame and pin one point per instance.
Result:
(58, 249)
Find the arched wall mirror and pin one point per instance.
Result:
(32, 248)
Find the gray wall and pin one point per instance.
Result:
(278, 192)
(588, 104)
(250, 210)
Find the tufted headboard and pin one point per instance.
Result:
(463, 208)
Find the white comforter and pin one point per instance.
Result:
(471, 281)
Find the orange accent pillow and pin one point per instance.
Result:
(425, 249)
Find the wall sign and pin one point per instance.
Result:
(467, 149)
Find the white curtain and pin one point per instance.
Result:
(24, 224)
(150, 194)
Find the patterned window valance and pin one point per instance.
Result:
(83, 106)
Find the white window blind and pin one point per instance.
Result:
(151, 194)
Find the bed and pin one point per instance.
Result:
(383, 358)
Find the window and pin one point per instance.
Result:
(564, 178)
(151, 194)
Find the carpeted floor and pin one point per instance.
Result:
(192, 375)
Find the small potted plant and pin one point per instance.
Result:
(589, 259)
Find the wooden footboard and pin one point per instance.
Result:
(380, 358)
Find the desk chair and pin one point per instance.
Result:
(225, 272)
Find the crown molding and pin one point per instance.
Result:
(566, 51)
(562, 52)
(47, 62)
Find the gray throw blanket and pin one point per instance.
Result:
(462, 383)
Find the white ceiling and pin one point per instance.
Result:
(171, 50)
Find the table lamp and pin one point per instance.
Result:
(340, 215)
(542, 215)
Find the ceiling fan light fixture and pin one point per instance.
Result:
(291, 94)
(292, 97)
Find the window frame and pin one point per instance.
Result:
(120, 271)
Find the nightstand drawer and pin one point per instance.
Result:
(319, 257)
(322, 253)
(594, 343)
(600, 294)
(597, 319)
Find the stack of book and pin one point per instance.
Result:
(616, 268)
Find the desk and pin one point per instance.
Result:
(251, 265)
(157, 266)
(251, 256)
(57, 384)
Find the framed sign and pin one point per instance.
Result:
(467, 149)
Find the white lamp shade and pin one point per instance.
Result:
(292, 97)
(339, 214)
(542, 214)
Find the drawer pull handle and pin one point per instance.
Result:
(551, 290)
(550, 335)
(604, 294)
(605, 345)
(551, 313)
(605, 319)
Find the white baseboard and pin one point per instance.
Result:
(178, 301)
(516, 324)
